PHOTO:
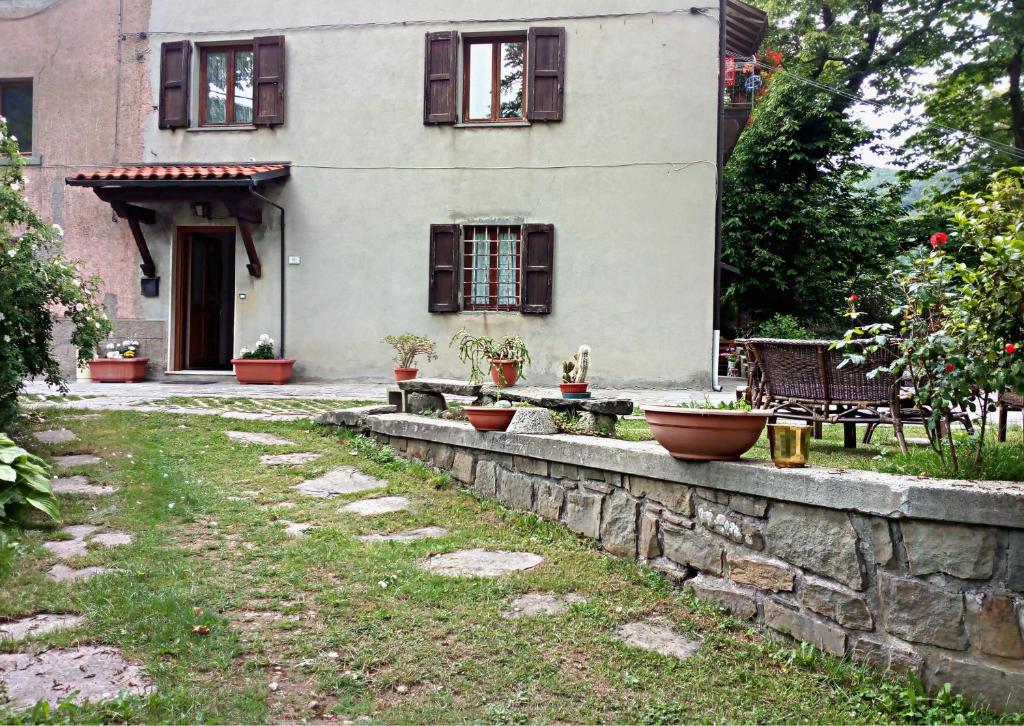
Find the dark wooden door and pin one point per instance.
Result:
(210, 281)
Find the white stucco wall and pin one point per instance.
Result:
(634, 232)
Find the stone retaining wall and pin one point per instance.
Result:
(915, 575)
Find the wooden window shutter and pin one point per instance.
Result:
(268, 80)
(175, 72)
(538, 267)
(545, 74)
(439, 77)
(445, 269)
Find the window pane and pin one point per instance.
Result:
(216, 88)
(480, 80)
(507, 267)
(512, 80)
(16, 106)
(481, 280)
(243, 87)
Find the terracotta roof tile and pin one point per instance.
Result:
(176, 171)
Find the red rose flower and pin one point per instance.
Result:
(939, 238)
(949, 368)
(854, 297)
(1010, 348)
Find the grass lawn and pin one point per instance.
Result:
(1003, 461)
(327, 626)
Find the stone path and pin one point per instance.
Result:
(63, 573)
(80, 538)
(657, 637)
(97, 672)
(288, 459)
(74, 460)
(480, 563)
(39, 624)
(254, 437)
(541, 603)
(408, 535)
(373, 507)
(79, 484)
(343, 480)
(55, 436)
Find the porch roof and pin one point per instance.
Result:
(178, 174)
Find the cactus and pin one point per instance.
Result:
(575, 370)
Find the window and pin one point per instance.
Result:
(226, 86)
(16, 107)
(494, 87)
(490, 267)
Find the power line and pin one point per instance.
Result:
(414, 23)
(997, 145)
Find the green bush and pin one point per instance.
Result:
(785, 327)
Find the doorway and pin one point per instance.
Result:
(205, 297)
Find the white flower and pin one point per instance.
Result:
(3, 120)
(110, 346)
(12, 252)
(7, 339)
(243, 351)
(383, 584)
(264, 338)
(80, 307)
(13, 137)
(170, 505)
(126, 342)
(15, 186)
(76, 282)
(58, 230)
(2, 316)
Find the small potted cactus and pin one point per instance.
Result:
(574, 374)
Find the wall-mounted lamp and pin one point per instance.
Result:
(201, 210)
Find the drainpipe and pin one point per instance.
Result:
(720, 150)
(252, 191)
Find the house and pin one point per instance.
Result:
(331, 175)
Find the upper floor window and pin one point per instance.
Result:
(16, 107)
(225, 85)
(493, 79)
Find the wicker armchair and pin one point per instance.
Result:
(1008, 401)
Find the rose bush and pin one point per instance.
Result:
(38, 285)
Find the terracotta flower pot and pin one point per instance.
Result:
(275, 371)
(573, 387)
(698, 434)
(488, 418)
(405, 374)
(504, 373)
(118, 370)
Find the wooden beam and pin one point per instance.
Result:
(146, 216)
(134, 215)
(254, 266)
(245, 209)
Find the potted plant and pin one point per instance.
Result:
(574, 373)
(121, 364)
(408, 347)
(495, 417)
(706, 431)
(261, 366)
(505, 357)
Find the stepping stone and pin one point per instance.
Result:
(480, 563)
(373, 507)
(39, 624)
(63, 573)
(278, 505)
(288, 459)
(97, 672)
(80, 531)
(296, 529)
(79, 484)
(252, 437)
(541, 603)
(252, 416)
(657, 638)
(55, 436)
(343, 480)
(66, 549)
(73, 460)
(112, 539)
(78, 545)
(407, 536)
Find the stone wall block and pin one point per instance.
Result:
(965, 552)
(463, 466)
(886, 657)
(713, 495)
(742, 603)
(558, 470)
(917, 611)
(515, 490)
(528, 465)
(399, 444)
(820, 634)
(597, 486)
(845, 606)
(881, 541)
(1015, 560)
(999, 627)
(821, 540)
(761, 572)
(677, 497)
(418, 449)
(732, 526)
(442, 456)
(619, 524)
(550, 497)
(1001, 689)
(484, 484)
(751, 506)
(648, 545)
(582, 513)
(693, 548)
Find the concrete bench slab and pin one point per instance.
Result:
(551, 398)
(442, 386)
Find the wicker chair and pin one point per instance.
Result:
(1008, 401)
(801, 379)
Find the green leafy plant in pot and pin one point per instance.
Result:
(408, 347)
(505, 357)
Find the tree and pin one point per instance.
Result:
(37, 284)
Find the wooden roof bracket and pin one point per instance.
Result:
(245, 215)
(136, 216)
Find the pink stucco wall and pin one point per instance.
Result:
(70, 49)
